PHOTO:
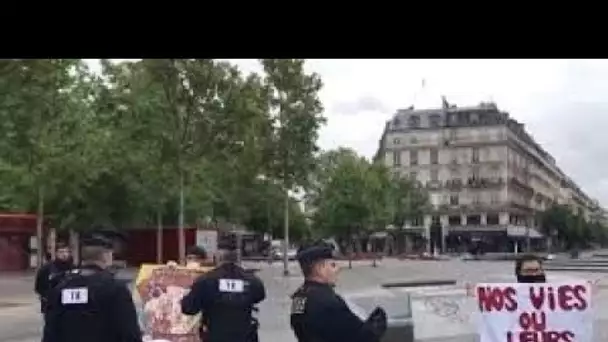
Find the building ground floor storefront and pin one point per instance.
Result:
(501, 240)
(486, 232)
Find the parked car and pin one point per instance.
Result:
(277, 253)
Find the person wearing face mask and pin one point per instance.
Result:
(318, 314)
(51, 273)
(529, 269)
(89, 304)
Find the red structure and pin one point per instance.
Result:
(141, 244)
(16, 231)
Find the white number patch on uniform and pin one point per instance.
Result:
(298, 305)
(232, 285)
(75, 296)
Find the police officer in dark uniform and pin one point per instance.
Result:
(318, 314)
(226, 296)
(51, 273)
(89, 304)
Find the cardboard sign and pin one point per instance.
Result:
(159, 290)
(547, 312)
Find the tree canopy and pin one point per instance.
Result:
(165, 141)
(353, 196)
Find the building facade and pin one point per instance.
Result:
(486, 176)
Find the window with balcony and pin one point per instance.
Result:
(414, 176)
(413, 157)
(475, 172)
(454, 199)
(434, 156)
(396, 158)
(434, 175)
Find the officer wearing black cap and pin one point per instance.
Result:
(89, 304)
(195, 256)
(51, 273)
(318, 314)
(226, 296)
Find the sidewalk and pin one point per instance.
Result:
(17, 285)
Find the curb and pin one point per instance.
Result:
(418, 283)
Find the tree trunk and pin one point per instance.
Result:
(159, 237)
(350, 250)
(181, 237)
(75, 245)
(269, 230)
(239, 245)
(373, 249)
(51, 242)
(286, 235)
(39, 228)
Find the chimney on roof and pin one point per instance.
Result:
(445, 102)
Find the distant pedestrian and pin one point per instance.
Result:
(51, 273)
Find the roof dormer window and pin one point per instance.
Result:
(414, 121)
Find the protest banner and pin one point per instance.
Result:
(157, 295)
(540, 312)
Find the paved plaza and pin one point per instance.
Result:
(441, 313)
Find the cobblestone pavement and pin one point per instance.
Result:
(445, 307)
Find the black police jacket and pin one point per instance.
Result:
(90, 305)
(225, 296)
(48, 276)
(318, 314)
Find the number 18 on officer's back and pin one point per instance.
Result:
(89, 304)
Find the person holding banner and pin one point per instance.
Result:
(226, 296)
(534, 310)
(528, 270)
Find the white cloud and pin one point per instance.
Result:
(562, 102)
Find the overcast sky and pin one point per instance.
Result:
(562, 103)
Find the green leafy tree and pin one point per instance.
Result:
(45, 111)
(344, 204)
(297, 116)
(192, 104)
(570, 230)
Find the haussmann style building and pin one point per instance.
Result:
(486, 176)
